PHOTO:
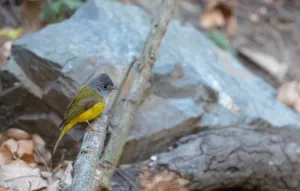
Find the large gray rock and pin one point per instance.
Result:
(194, 84)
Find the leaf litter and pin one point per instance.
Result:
(25, 161)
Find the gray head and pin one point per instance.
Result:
(103, 84)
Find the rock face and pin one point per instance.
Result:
(194, 85)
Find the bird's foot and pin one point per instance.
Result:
(90, 127)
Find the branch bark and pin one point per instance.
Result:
(113, 151)
(234, 158)
(90, 151)
(86, 176)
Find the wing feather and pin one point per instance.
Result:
(84, 100)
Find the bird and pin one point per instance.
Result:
(87, 105)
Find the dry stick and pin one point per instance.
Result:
(92, 146)
(87, 159)
(116, 143)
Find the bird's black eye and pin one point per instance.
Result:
(104, 86)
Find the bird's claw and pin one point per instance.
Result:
(90, 127)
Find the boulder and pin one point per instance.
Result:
(194, 84)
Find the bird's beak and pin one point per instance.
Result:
(115, 88)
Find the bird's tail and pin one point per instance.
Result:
(65, 129)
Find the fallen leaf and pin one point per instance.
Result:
(42, 158)
(231, 26)
(163, 181)
(7, 189)
(17, 134)
(25, 147)
(46, 174)
(19, 175)
(42, 155)
(38, 142)
(267, 62)
(12, 145)
(220, 14)
(253, 17)
(296, 106)
(289, 94)
(29, 158)
(54, 186)
(66, 179)
(212, 18)
(5, 155)
(6, 49)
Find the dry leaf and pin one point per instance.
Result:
(54, 186)
(42, 158)
(219, 15)
(253, 17)
(296, 106)
(288, 93)
(5, 155)
(163, 181)
(12, 145)
(66, 179)
(7, 189)
(212, 18)
(267, 62)
(25, 147)
(38, 143)
(17, 134)
(29, 158)
(43, 155)
(19, 175)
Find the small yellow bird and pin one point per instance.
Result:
(86, 105)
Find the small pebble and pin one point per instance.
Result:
(153, 158)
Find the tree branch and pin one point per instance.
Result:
(91, 149)
(113, 151)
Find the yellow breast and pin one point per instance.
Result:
(90, 114)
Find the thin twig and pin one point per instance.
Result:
(12, 153)
(87, 159)
(42, 159)
(114, 149)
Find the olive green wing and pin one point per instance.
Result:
(84, 100)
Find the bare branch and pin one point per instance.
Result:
(92, 146)
(142, 74)
(86, 176)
